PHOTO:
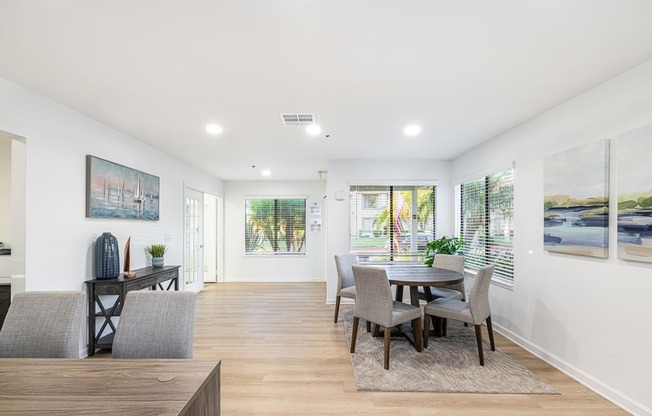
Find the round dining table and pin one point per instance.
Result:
(418, 275)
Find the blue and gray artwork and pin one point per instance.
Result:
(116, 191)
(576, 200)
(635, 195)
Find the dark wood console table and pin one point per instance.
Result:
(162, 278)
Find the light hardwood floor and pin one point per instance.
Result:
(283, 355)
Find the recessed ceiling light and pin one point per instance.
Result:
(412, 130)
(313, 129)
(214, 128)
(266, 172)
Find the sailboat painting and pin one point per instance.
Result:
(116, 191)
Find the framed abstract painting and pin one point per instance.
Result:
(635, 195)
(576, 200)
(117, 191)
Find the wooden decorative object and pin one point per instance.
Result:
(127, 269)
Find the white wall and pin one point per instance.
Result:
(238, 267)
(59, 237)
(589, 317)
(341, 173)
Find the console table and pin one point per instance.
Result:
(163, 278)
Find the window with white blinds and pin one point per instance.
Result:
(391, 223)
(486, 222)
(275, 226)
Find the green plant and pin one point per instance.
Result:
(156, 250)
(444, 245)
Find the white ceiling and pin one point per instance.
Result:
(466, 71)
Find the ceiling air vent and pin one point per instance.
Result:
(297, 119)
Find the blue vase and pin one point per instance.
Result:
(157, 261)
(107, 257)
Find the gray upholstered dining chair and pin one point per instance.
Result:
(448, 262)
(374, 303)
(43, 325)
(345, 282)
(155, 324)
(475, 311)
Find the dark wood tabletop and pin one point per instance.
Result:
(34, 386)
(421, 275)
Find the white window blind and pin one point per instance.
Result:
(275, 226)
(391, 222)
(487, 222)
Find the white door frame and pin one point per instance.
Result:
(213, 217)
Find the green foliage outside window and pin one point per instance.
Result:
(275, 226)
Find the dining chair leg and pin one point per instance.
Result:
(444, 326)
(388, 333)
(376, 332)
(368, 326)
(354, 333)
(478, 339)
(418, 333)
(426, 329)
(491, 334)
(337, 307)
(436, 323)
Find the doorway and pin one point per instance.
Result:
(202, 239)
(12, 210)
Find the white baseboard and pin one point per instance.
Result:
(618, 398)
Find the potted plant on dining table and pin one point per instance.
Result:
(443, 245)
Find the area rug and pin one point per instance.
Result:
(450, 364)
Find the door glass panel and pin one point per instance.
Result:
(192, 240)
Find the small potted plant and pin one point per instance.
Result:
(444, 245)
(156, 251)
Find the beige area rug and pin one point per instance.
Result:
(449, 364)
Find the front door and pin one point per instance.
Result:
(193, 240)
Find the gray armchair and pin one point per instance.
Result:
(475, 311)
(155, 324)
(345, 282)
(374, 303)
(43, 325)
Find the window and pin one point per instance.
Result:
(486, 223)
(396, 227)
(275, 226)
(369, 200)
